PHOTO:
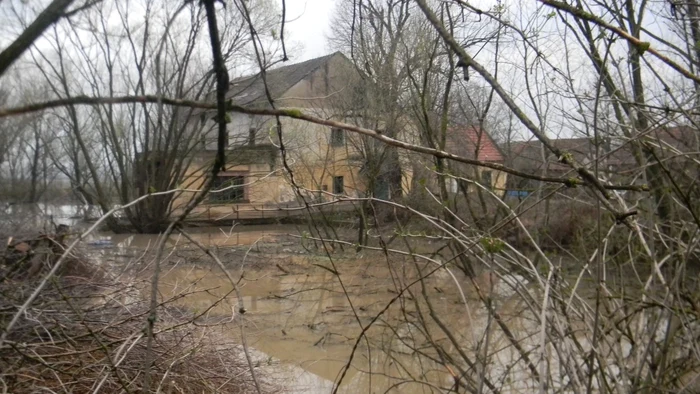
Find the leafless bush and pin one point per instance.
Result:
(523, 327)
(558, 223)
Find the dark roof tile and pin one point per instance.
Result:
(251, 89)
(529, 155)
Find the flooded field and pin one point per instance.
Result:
(303, 319)
(299, 318)
(305, 310)
(322, 317)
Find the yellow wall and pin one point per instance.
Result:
(315, 161)
(498, 179)
(428, 177)
(263, 185)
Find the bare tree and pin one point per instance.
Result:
(611, 307)
(119, 153)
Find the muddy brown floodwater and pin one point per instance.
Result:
(302, 323)
(304, 320)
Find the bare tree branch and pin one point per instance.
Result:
(298, 114)
(49, 16)
(641, 46)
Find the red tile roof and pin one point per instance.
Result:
(475, 143)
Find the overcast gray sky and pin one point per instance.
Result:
(308, 22)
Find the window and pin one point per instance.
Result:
(235, 191)
(338, 187)
(337, 137)
(452, 185)
(486, 178)
(251, 136)
(381, 188)
(147, 172)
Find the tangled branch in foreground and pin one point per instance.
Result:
(84, 332)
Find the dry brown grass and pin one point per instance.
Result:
(84, 333)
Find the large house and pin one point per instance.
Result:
(324, 161)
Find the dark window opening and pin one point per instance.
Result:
(452, 185)
(338, 186)
(337, 137)
(381, 188)
(251, 136)
(153, 169)
(147, 173)
(235, 191)
(486, 178)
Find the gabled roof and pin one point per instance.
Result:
(682, 138)
(251, 89)
(473, 142)
(528, 155)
